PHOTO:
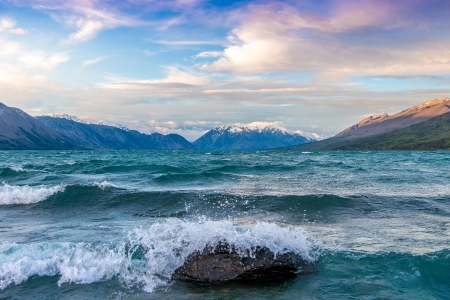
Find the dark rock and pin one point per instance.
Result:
(223, 263)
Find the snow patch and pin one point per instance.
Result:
(112, 124)
(68, 117)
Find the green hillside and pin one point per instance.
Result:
(431, 134)
(428, 135)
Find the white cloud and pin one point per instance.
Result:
(8, 48)
(18, 31)
(207, 54)
(176, 78)
(43, 60)
(93, 61)
(183, 42)
(272, 39)
(89, 17)
(6, 24)
(168, 124)
(87, 29)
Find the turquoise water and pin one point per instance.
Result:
(116, 224)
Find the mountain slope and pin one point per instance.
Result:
(20, 131)
(108, 137)
(430, 134)
(378, 124)
(413, 128)
(252, 136)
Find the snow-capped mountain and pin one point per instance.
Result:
(101, 122)
(68, 117)
(112, 124)
(256, 135)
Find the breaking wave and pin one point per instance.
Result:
(11, 194)
(146, 258)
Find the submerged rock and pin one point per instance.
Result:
(224, 263)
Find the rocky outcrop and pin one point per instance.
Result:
(224, 263)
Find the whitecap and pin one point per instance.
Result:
(11, 194)
(104, 185)
(17, 169)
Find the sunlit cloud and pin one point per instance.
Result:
(7, 25)
(207, 54)
(276, 39)
(42, 60)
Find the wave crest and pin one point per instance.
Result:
(11, 194)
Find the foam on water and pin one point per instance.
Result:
(10, 194)
(17, 169)
(77, 263)
(147, 257)
(104, 185)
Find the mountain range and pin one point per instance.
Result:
(96, 136)
(20, 131)
(424, 126)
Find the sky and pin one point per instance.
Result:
(185, 66)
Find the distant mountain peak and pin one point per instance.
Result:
(430, 103)
(112, 124)
(101, 122)
(256, 135)
(68, 117)
(255, 127)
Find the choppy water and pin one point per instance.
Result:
(116, 224)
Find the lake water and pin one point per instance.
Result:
(116, 224)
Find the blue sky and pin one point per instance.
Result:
(186, 66)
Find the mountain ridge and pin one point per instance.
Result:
(390, 132)
(20, 131)
(100, 136)
(382, 123)
(252, 136)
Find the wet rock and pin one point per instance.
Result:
(223, 263)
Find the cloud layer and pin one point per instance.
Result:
(185, 66)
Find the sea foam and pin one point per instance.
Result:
(147, 257)
(169, 243)
(11, 194)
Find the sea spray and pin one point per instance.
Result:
(146, 257)
(167, 244)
